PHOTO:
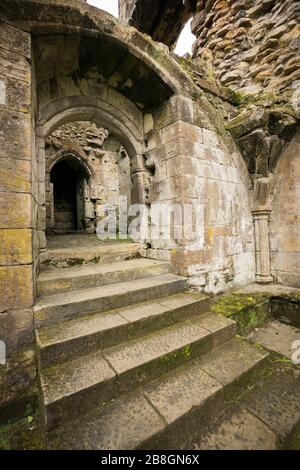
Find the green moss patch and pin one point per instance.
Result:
(23, 434)
(248, 310)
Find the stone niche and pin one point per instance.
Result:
(87, 170)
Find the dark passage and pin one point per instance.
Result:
(64, 181)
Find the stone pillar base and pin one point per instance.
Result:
(264, 279)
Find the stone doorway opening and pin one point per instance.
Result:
(87, 171)
(67, 185)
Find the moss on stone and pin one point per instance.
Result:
(293, 443)
(232, 304)
(248, 310)
(23, 434)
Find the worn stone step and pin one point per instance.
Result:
(266, 417)
(70, 339)
(236, 429)
(106, 374)
(59, 307)
(164, 413)
(53, 280)
(98, 252)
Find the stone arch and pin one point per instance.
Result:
(71, 153)
(85, 175)
(125, 122)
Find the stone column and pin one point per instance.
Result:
(261, 213)
(262, 246)
(140, 178)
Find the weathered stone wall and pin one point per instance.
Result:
(285, 217)
(194, 164)
(17, 206)
(250, 45)
(162, 20)
(101, 154)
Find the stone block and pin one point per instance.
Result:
(15, 210)
(15, 66)
(17, 329)
(15, 246)
(17, 94)
(15, 175)
(178, 108)
(15, 127)
(15, 40)
(16, 287)
(180, 129)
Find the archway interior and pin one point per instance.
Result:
(87, 173)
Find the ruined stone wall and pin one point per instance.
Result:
(250, 45)
(162, 20)
(109, 170)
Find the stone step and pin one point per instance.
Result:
(63, 306)
(108, 373)
(173, 406)
(53, 280)
(70, 339)
(266, 417)
(79, 255)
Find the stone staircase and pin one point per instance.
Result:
(128, 357)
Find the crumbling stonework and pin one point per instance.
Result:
(102, 163)
(250, 45)
(162, 20)
(246, 60)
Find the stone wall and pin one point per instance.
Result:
(285, 217)
(163, 20)
(18, 229)
(194, 165)
(250, 45)
(105, 160)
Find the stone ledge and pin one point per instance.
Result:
(253, 306)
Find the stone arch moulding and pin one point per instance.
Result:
(70, 153)
(128, 128)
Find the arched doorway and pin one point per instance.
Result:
(67, 187)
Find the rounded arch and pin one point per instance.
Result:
(124, 122)
(86, 21)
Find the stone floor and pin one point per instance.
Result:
(79, 249)
(265, 417)
(78, 239)
(276, 336)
